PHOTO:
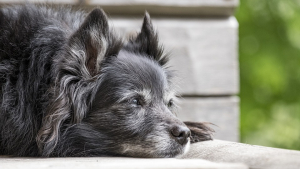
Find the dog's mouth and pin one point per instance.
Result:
(161, 148)
(187, 146)
(174, 150)
(178, 150)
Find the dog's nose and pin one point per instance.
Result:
(181, 134)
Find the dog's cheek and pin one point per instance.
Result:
(135, 121)
(121, 124)
(155, 143)
(149, 139)
(160, 139)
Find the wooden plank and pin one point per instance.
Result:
(73, 2)
(156, 7)
(223, 112)
(113, 163)
(222, 3)
(203, 52)
(168, 7)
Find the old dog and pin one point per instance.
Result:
(71, 87)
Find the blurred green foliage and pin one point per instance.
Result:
(270, 72)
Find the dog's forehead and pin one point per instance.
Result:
(142, 74)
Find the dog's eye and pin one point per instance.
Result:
(136, 102)
(170, 103)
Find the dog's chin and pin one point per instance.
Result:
(170, 151)
(185, 149)
(175, 151)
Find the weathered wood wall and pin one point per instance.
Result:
(202, 36)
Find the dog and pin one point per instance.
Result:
(70, 86)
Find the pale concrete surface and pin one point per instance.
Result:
(203, 52)
(256, 157)
(221, 154)
(112, 163)
(221, 111)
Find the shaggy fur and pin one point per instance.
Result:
(71, 87)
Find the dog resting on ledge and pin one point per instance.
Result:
(71, 87)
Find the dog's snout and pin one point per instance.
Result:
(180, 133)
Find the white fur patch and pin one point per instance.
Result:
(185, 149)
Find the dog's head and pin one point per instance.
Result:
(119, 96)
(133, 107)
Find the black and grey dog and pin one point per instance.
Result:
(71, 87)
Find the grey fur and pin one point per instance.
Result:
(71, 87)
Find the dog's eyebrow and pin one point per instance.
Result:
(169, 95)
(145, 94)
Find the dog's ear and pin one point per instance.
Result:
(200, 131)
(93, 41)
(86, 48)
(146, 42)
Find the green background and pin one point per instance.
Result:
(269, 51)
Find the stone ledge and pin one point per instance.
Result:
(113, 163)
(256, 157)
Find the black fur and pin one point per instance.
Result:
(71, 87)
